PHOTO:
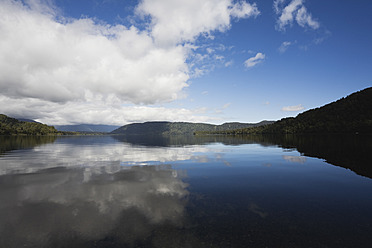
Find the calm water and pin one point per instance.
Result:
(102, 191)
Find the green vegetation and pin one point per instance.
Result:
(11, 126)
(177, 128)
(352, 114)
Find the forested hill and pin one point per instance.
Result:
(11, 126)
(178, 128)
(352, 114)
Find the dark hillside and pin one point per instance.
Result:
(347, 115)
(352, 114)
(177, 128)
(11, 126)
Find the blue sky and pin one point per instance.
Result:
(117, 62)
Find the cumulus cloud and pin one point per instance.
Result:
(175, 21)
(95, 112)
(254, 60)
(244, 10)
(293, 108)
(57, 62)
(293, 11)
(72, 60)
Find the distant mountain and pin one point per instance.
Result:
(12, 126)
(352, 114)
(178, 128)
(86, 128)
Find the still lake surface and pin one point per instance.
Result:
(257, 191)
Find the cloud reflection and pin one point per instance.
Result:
(294, 159)
(85, 204)
(110, 154)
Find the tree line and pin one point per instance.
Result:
(12, 126)
(352, 114)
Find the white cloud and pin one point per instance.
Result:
(284, 46)
(175, 21)
(254, 60)
(293, 108)
(95, 112)
(294, 11)
(220, 111)
(56, 63)
(229, 63)
(244, 10)
(67, 61)
(219, 57)
(278, 5)
(210, 50)
(303, 18)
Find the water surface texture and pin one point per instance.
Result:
(113, 191)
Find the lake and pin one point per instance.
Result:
(255, 191)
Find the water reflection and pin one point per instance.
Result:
(79, 206)
(348, 151)
(294, 159)
(9, 143)
(179, 140)
(93, 192)
(93, 151)
(253, 191)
